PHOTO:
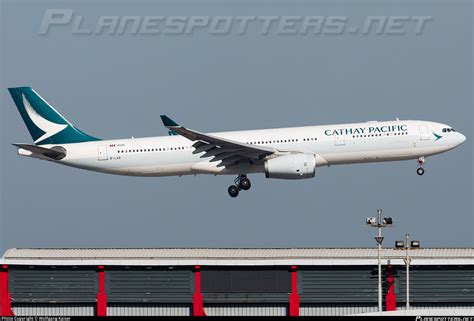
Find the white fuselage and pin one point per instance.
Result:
(331, 144)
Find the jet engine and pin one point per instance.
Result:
(292, 166)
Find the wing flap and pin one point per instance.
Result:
(221, 149)
(230, 161)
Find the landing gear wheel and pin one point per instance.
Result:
(420, 171)
(245, 184)
(233, 191)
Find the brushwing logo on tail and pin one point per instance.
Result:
(45, 125)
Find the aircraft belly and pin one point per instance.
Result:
(158, 170)
(383, 155)
(367, 156)
(206, 167)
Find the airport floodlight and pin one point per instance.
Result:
(387, 221)
(379, 223)
(415, 244)
(407, 245)
(399, 244)
(371, 221)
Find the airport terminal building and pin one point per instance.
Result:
(209, 281)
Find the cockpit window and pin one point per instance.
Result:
(448, 130)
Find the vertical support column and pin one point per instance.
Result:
(294, 295)
(101, 296)
(5, 297)
(198, 301)
(390, 297)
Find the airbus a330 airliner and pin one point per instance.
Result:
(283, 153)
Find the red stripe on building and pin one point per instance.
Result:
(5, 297)
(294, 295)
(390, 297)
(101, 296)
(198, 301)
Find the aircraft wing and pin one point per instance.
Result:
(51, 153)
(227, 151)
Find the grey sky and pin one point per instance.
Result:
(117, 86)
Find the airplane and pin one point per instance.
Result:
(280, 153)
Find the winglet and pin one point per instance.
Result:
(168, 122)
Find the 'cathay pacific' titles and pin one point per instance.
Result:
(366, 130)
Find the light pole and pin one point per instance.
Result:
(407, 246)
(379, 223)
(407, 265)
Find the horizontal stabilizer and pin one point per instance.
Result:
(55, 153)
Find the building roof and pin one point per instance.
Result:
(234, 256)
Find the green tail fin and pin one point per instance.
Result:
(44, 123)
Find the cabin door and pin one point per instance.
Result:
(424, 132)
(340, 140)
(102, 153)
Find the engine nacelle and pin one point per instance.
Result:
(293, 166)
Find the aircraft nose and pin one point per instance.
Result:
(461, 138)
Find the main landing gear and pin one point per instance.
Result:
(241, 183)
(421, 161)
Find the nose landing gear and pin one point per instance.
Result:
(421, 161)
(241, 183)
